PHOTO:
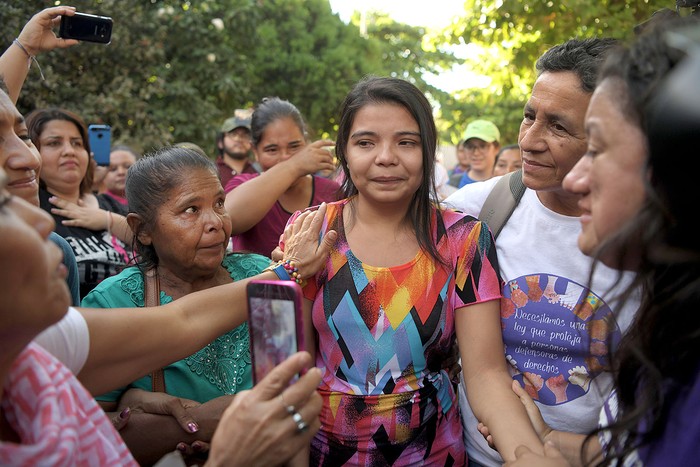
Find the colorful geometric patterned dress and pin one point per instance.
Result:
(382, 336)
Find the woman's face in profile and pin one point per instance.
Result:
(610, 177)
(34, 291)
(18, 155)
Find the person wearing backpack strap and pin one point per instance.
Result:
(554, 325)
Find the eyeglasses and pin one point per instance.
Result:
(474, 146)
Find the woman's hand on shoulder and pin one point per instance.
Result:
(301, 244)
(524, 457)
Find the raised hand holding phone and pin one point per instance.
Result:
(100, 137)
(87, 28)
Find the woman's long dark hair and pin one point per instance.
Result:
(658, 357)
(379, 90)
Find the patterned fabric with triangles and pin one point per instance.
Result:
(383, 333)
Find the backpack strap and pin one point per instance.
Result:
(501, 202)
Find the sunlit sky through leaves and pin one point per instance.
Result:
(437, 16)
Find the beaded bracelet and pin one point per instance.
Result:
(286, 271)
(293, 271)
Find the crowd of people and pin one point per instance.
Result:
(568, 338)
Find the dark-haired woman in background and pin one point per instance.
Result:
(261, 204)
(99, 236)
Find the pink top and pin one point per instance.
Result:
(57, 420)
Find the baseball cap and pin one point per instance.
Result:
(241, 118)
(482, 129)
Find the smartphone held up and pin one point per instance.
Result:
(100, 138)
(275, 323)
(87, 28)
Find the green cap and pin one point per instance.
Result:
(482, 129)
(241, 118)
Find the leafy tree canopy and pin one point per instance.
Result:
(176, 69)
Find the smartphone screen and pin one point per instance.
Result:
(86, 28)
(100, 137)
(275, 323)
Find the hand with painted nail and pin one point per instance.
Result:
(273, 423)
(138, 401)
(183, 424)
(120, 419)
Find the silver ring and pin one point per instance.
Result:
(301, 424)
(302, 427)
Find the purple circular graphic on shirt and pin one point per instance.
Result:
(557, 336)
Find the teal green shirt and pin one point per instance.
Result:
(221, 368)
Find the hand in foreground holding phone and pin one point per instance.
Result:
(257, 428)
(38, 36)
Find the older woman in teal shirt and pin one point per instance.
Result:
(181, 230)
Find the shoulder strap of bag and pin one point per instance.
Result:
(151, 297)
(502, 200)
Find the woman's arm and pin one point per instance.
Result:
(37, 36)
(127, 343)
(488, 383)
(568, 444)
(249, 202)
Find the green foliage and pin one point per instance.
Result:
(176, 69)
(514, 33)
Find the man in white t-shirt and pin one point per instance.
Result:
(556, 329)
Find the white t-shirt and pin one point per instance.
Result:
(555, 332)
(68, 340)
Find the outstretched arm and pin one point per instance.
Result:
(37, 36)
(127, 343)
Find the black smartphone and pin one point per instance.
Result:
(275, 322)
(100, 137)
(87, 28)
